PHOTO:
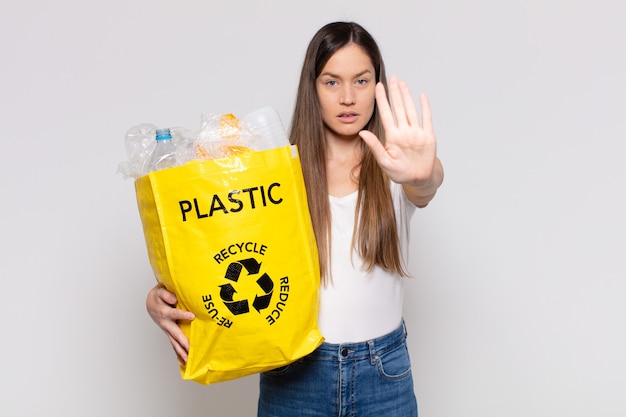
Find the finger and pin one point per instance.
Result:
(166, 296)
(175, 333)
(180, 338)
(374, 144)
(384, 109)
(412, 114)
(178, 314)
(181, 353)
(397, 101)
(427, 119)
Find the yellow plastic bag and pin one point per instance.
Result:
(233, 239)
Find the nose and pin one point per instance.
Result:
(347, 95)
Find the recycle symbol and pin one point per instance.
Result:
(233, 273)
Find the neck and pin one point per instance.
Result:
(343, 158)
(344, 149)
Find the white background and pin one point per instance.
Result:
(517, 305)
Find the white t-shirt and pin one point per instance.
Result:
(356, 305)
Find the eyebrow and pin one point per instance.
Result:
(337, 76)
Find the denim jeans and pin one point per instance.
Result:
(371, 378)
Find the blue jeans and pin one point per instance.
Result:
(371, 378)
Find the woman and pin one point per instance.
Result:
(367, 164)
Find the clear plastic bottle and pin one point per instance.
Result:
(164, 153)
(269, 128)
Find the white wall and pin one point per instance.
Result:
(517, 308)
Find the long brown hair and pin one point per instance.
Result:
(375, 234)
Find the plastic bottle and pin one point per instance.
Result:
(164, 153)
(266, 122)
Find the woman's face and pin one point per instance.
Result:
(346, 91)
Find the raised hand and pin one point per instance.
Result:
(409, 155)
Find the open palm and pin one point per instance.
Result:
(409, 154)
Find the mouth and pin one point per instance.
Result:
(348, 117)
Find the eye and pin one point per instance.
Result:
(362, 81)
(331, 83)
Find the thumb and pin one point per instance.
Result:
(372, 141)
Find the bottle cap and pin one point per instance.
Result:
(163, 134)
